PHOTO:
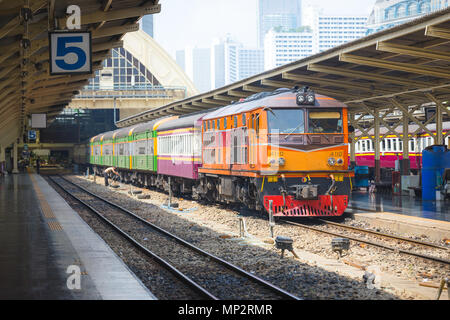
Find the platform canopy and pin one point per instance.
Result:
(26, 87)
(399, 67)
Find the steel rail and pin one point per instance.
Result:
(178, 274)
(225, 263)
(386, 235)
(424, 256)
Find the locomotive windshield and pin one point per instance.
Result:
(325, 121)
(285, 121)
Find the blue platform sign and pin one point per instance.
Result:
(31, 134)
(70, 52)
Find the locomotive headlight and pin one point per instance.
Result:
(340, 162)
(331, 161)
(310, 98)
(301, 99)
(281, 161)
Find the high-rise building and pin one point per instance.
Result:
(389, 13)
(250, 62)
(320, 33)
(146, 24)
(277, 13)
(196, 62)
(331, 31)
(231, 62)
(283, 47)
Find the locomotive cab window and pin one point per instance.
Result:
(325, 122)
(286, 121)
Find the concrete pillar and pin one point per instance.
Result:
(16, 159)
(2, 153)
(352, 143)
(376, 124)
(2, 159)
(405, 164)
(439, 139)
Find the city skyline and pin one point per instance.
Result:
(195, 18)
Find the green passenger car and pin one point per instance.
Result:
(122, 148)
(107, 149)
(96, 150)
(142, 147)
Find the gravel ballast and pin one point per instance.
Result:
(215, 229)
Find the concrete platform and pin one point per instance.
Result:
(403, 205)
(407, 225)
(41, 237)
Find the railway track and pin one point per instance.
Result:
(209, 276)
(375, 234)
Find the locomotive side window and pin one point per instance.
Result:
(286, 121)
(235, 121)
(325, 122)
(225, 123)
(243, 120)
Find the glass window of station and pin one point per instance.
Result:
(121, 72)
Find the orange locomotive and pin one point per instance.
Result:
(287, 149)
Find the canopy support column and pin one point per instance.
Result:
(352, 142)
(405, 164)
(15, 159)
(376, 124)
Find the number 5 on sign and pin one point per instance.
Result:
(70, 52)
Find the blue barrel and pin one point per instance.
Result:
(434, 160)
(361, 176)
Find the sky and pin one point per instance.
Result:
(184, 23)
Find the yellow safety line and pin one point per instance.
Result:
(45, 207)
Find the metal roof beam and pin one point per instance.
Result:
(366, 75)
(202, 105)
(391, 65)
(330, 82)
(436, 32)
(278, 84)
(100, 15)
(223, 97)
(188, 108)
(107, 32)
(212, 101)
(413, 51)
(236, 93)
(255, 89)
(15, 22)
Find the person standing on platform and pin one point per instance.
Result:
(38, 165)
(107, 172)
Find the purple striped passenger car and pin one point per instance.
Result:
(179, 146)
